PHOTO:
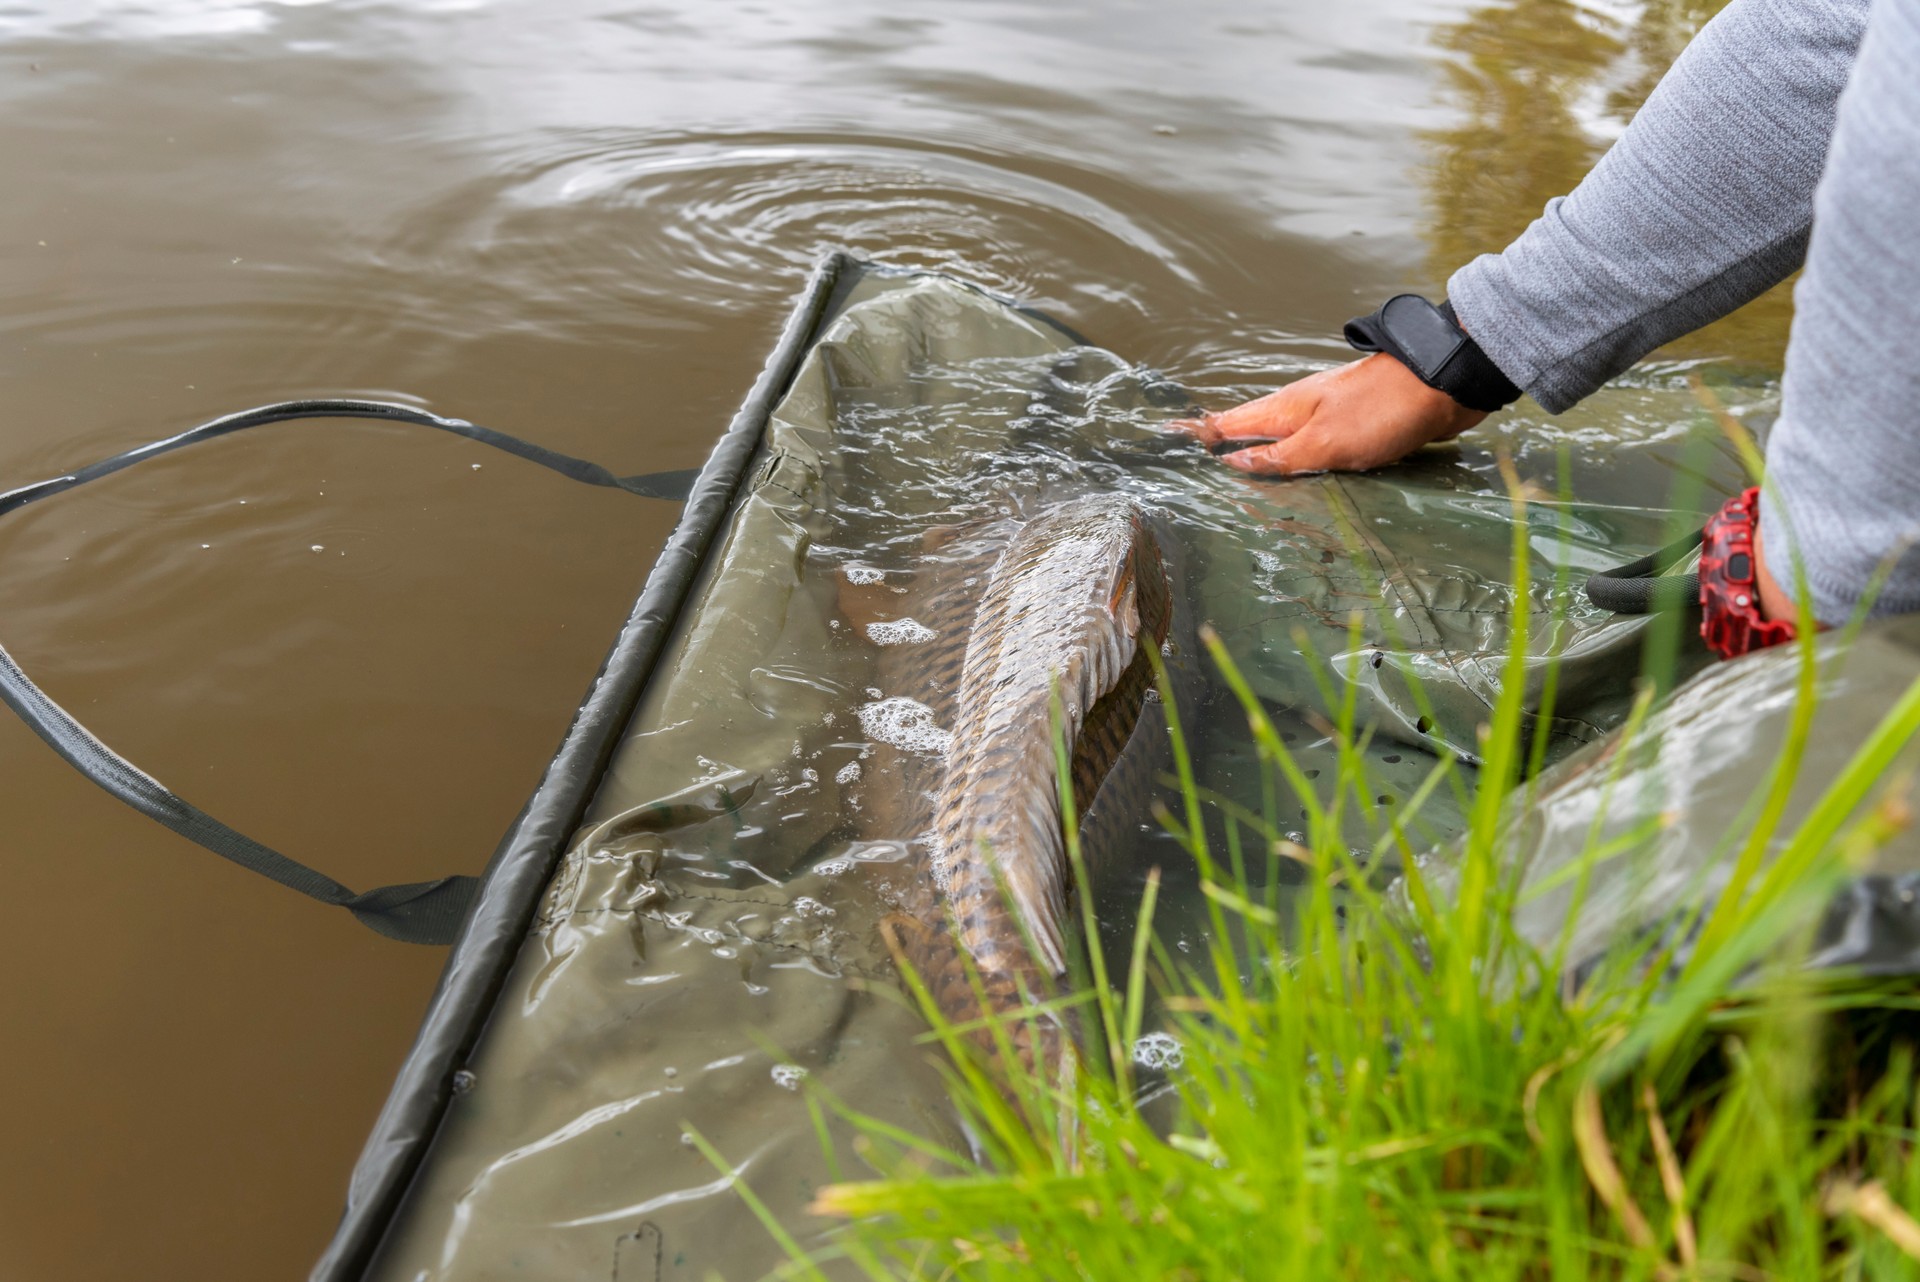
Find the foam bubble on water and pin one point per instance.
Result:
(789, 1076)
(904, 723)
(899, 632)
(857, 573)
(1160, 1051)
(848, 773)
(878, 852)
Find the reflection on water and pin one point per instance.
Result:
(580, 221)
(1545, 87)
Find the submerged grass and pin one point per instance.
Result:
(1389, 1081)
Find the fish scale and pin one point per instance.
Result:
(1063, 608)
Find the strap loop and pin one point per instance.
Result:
(1429, 341)
(1639, 587)
(423, 912)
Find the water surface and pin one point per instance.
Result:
(581, 221)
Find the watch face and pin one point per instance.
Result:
(1427, 338)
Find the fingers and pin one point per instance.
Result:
(1359, 416)
(1310, 450)
(1274, 416)
(1263, 460)
(1277, 414)
(1200, 428)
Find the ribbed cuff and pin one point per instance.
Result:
(1837, 573)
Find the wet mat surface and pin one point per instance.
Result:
(712, 942)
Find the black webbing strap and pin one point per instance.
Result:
(423, 912)
(654, 485)
(1641, 587)
(1429, 341)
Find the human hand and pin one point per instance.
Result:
(1367, 414)
(1775, 604)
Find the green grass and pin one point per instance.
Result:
(1406, 1089)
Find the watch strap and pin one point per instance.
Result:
(1428, 340)
(1731, 622)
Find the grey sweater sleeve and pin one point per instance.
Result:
(1703, 203)
(1843, 461)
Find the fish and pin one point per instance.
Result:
(1056, 628)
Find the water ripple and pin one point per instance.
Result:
(716, 220)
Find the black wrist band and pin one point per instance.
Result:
(1429, 341)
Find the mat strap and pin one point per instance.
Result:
(1640, 587)
(421, 912)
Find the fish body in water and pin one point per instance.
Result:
(1058, 641)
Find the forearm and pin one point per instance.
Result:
(1701, 205)
(1844, 458)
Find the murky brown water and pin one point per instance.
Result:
(581, 221)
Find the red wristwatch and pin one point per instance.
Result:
(1730, 617)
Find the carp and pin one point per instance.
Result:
(1052, 635)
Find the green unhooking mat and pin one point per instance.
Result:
(707, 947)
